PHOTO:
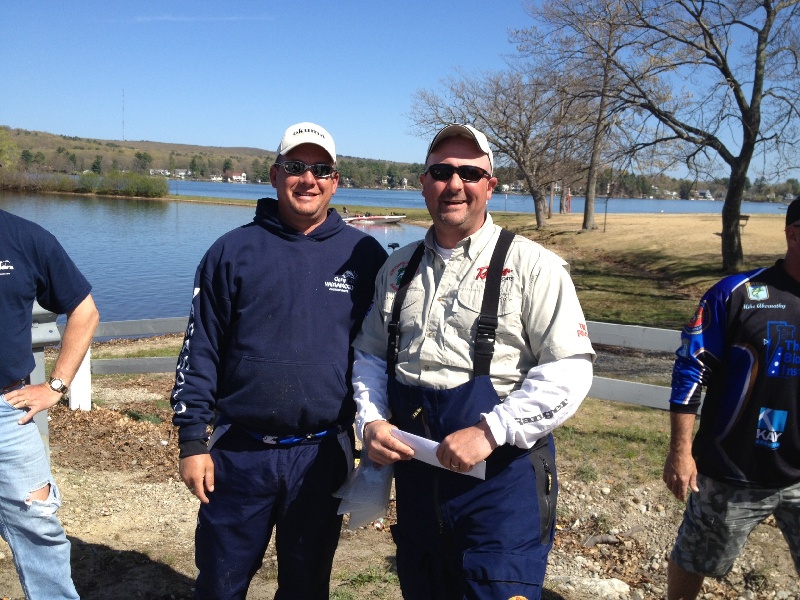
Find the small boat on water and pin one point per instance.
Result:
(373, 219)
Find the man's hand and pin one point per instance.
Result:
(462, 449)
(33, 399)
(197, 473)
(680, 470)
(680, 473)
(382, 447)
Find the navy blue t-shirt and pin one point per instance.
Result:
(33, 266)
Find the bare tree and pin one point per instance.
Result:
(717, 79)
(566, 35)
(521, 114)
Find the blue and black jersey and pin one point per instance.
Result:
(743, 345)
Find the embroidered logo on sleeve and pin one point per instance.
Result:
(5, 267)
(771, 424)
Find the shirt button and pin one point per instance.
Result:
(426, 368)
(431, 335)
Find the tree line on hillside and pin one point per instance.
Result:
(48, 153)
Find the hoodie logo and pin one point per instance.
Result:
(345, 282)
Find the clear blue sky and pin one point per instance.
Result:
(239, 73)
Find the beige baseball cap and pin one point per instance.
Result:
(307, 133)
(467, 131)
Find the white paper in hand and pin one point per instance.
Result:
(425, 450)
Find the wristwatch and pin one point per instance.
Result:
(57, 385)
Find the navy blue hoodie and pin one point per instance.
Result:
(273, 315)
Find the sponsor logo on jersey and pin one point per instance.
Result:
(771, 424)
(757, 291)
(781, 350)
(342, 283)
(582, 331)
(699, 319)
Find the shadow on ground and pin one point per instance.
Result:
(100, 572)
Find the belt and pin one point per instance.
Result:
(288, 440)
(12, 386)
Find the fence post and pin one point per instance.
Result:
(44, 333)
(80, 391)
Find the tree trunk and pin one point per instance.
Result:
(732, 254)
(591, 185)
(540, 206)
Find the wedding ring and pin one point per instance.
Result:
(455, 466)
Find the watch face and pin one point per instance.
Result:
(57, 385)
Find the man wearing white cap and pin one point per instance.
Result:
(477, 341)
(265, 367)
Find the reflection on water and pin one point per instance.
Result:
(140, 255)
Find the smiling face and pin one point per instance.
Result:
(303, 199)
(458, 208)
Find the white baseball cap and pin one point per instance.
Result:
(467, 131)
(307, 133)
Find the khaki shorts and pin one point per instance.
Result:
(719, 518)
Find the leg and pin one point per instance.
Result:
(682, 585)
(504, 528)
(29, 500)
(308, 526)
(717, 521)
(234, 528)
(423, 565)
(787, 515)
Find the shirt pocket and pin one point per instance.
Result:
(467, 309)
(410, 315)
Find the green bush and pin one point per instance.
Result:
(88, 183)
(114, 183)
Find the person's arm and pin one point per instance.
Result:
(78, 333)
(680, 471)
(372, 414)
(194, 393)
(550, 394)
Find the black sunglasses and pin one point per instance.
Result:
(298, 167)
(467, 173)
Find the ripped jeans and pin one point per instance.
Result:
(32, 529)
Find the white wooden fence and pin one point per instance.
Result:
(608, 334)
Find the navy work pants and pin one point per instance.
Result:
(258, 487)
(459, 537)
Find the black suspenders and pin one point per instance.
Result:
(487, 321)
(394, 325)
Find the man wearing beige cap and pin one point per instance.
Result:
(476, 341)
(265, 366)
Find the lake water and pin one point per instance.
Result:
(392, 199)
(141, 255)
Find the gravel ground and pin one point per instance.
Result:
(131, 520)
